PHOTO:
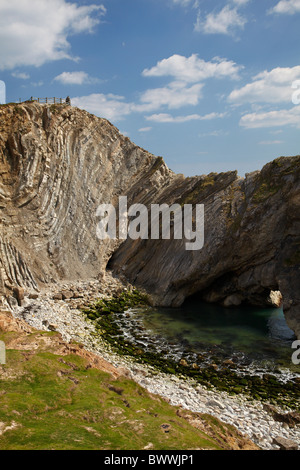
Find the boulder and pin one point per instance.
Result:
(19, 294)
(285, 444)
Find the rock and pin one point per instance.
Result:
(148, 446)
(165, 427)
(183, 363)
(215, 404)
(44, 238)
(285, 444)
(67, 294)
(57, 297)
(294, 416)
(238, 262)
(78, 295)
(123, 372)
(19, 294)
(12, 301)
(276, 298)
(232, 300)
(228, 363)
(251, 224)
(290, 418)
(33, 296)
(9, 323)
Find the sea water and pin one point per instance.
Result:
(246, 335)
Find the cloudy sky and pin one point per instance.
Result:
(210, 85)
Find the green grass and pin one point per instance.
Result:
(272, 178)
(266, 190)
(60, 403)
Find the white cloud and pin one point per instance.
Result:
(21, 75)
(277, 118)
(216, 133)
(35, 84)
(225, 21)
(164, 117)
(175, 95)
(288, 7)
(145, 129)
(183, 3)
(273, 87)
(112, 107)
(192, 69)
(33, 32)
(271, 142)
(115, 108)
(186, 3)
(241, 2)
(222, 22)
(187, 73)
(184, 90)
(278, 131)
(268, 87)
(75, 78)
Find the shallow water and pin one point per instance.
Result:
(247, 335)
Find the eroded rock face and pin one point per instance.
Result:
(252, 244)
(59, 163)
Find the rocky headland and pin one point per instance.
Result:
(58, 163)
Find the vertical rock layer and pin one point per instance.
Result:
(57, 165)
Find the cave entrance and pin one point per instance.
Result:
(242, 322)
(264, 298)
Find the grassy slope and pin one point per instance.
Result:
(51, 401)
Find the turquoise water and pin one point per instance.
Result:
(243, 334)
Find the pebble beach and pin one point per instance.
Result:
(57, 308)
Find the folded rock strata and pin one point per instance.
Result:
(58, 163)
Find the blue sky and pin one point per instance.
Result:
(208, 85)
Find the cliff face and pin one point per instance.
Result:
(59, 163)
(252, 243)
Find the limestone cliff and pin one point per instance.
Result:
(252, 243)
(59, 163)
